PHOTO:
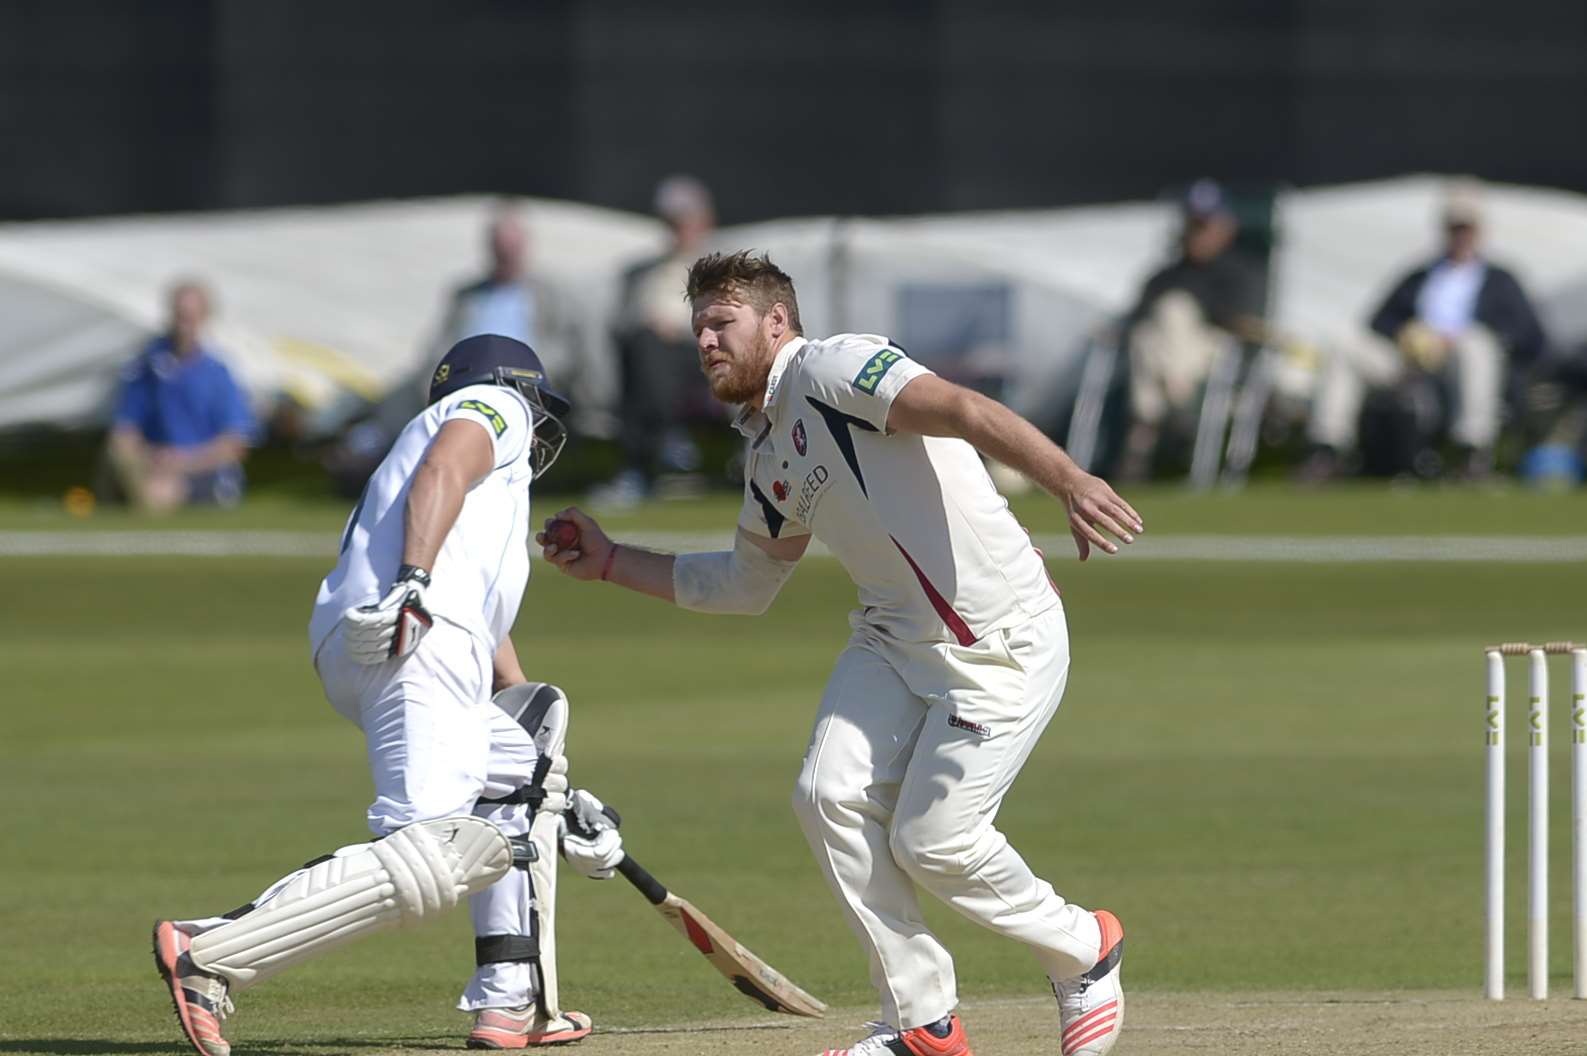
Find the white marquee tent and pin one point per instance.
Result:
(317, 301)
(312, 301)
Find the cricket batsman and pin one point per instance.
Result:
(410, 641)
(959, 652)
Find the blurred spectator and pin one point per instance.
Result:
(1187, 313)
(1456, 321)
(510, 300)
(662, 388)
(181, 425)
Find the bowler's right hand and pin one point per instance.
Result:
(587, 560)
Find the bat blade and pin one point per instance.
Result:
(750, 975)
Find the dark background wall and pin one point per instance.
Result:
(825, 106)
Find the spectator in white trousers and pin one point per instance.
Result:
(1460, 318)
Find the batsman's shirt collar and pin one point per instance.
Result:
(754, 424)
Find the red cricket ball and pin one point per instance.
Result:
(564, 535)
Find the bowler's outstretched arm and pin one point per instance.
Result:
(743, 580)
(930, 406)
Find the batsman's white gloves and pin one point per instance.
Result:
(590, 841)
(393, 626)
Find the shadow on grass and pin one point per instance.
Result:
(303, 1047)
(86, 1046)
(253, 1047)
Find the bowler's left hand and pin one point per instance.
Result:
(1093, 505)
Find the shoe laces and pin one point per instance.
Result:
(1070, 989)
(876, 1041)
(219, 994)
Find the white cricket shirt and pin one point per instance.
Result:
(1447, 301)
(482, 569)
(916, 521)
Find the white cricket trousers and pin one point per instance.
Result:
(914, 748)
(436, 744)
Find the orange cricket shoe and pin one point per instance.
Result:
(885, 1040)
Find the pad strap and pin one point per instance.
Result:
(524, 851)
(498, 949)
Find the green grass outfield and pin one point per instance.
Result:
(1345, 508)
(1271, 771)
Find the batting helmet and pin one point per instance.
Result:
(491, 359)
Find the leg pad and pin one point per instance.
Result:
(415, 873)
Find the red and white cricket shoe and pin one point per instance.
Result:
(1091, 1005)
(886, 1040)
(199, 997)
(519, 1028)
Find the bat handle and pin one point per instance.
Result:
(648, 885)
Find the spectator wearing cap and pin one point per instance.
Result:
(661, 387)
(1187, 312)
(181, 425)
(1459, 318)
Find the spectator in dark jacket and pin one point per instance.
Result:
(1461, 318)
(1187, 313)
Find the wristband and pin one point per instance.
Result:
(413, 572)
(606, 569)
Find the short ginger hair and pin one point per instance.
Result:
(755, 281)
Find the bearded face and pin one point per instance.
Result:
(735, 346)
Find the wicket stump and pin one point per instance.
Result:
(1537, 815)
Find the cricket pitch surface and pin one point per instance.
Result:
(1421, 1023)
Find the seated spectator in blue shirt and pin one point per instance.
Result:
(181, 426)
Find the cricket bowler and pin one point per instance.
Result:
(409, 637)
(959, 652)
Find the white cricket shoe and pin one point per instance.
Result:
(1091, 1005)
(524, 1027)
(200, 998)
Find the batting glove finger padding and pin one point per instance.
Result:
(555, 787)
(393, 626)
(587, 815)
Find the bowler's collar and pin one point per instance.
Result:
(755, 424)
(779, 365)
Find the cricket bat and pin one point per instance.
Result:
(750, 975)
